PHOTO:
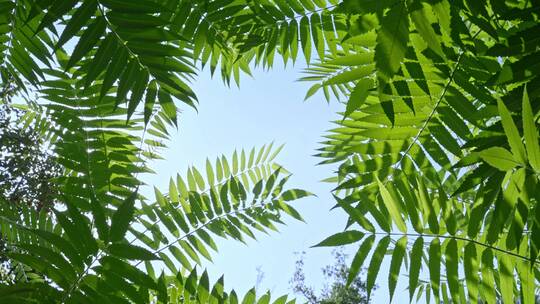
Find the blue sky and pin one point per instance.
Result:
(268, 107)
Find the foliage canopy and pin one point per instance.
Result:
(438, 149)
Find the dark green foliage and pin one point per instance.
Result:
(26, 167)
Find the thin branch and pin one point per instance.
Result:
(460, 239)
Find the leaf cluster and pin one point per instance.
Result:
(437, 148)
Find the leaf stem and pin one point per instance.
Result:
(459, 239)
(206, 191)
(217, 218)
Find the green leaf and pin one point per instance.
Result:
(54, 11)
(200, 39)
(162, 289)
(294, 194)
(350, 75)
(527, 281)
(140, 6)
(180, 257)
(375, 263)
(122, 218)
(200, 247)
(317, 35)
(249, 297)
(88, 40)
(312, 90)
(203, 291)
(100, 220)
(190, 284)
(293, 39)
(199, 179)
(420, 17)
(358, 95)
(392, 39)
(451, 257)
(499, 158)
(289, 210)
(82, 227)
(305, 38)
(392, 207)
(488, 285)
(77, 21)
(66, 247)
(275, 153)
(410, 203)
(127, 80)
(435, 267)
(506, 277)
(512, 133)
(167, 104)
(395, 264)
(265, 299)
(102, 57)
(355, 215)
(131, 252)
(139, 86)
(150, 99)
(427, 206)
(530, 133)
(235, 162)
(416, 261)
(209, 172)
(37, 264)
(342, 238)
(116, 66)
(359, 258)
(51, 257)
(470, 265)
